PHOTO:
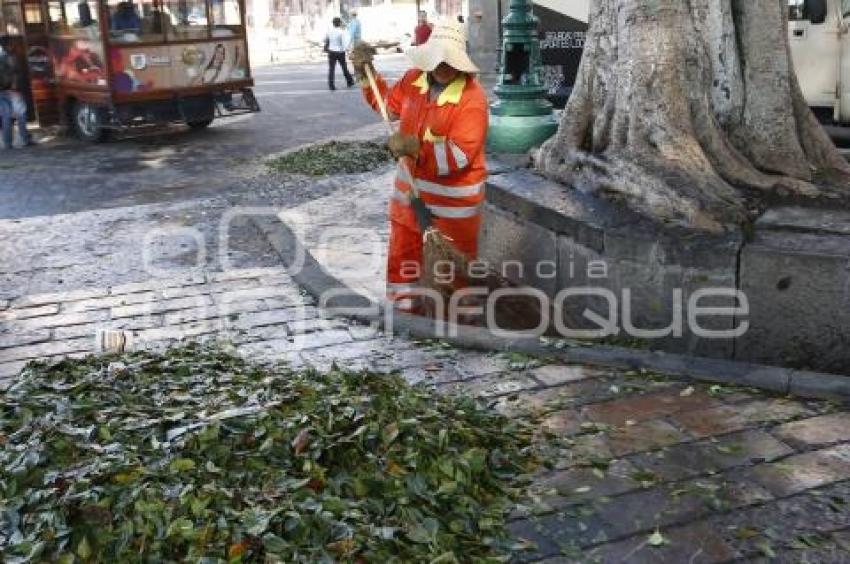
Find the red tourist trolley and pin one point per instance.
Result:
(106, 65)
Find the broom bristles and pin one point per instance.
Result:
(513, 313)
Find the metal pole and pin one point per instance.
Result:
(499, 16)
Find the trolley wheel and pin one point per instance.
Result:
(200, 123)
(88, 122)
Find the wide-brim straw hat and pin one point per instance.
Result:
(447, 44)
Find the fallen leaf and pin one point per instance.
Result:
(343, 548)
(237, 550)
(182, 465)
(765, 548)
(301, 442)
(390, 434)
(746, 533)
(84, 549)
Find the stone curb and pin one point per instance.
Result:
(346, 303)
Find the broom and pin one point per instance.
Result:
(516, 313)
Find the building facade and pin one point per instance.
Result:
(282, 30)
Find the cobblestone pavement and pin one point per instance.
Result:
(645, 468)
(114, 246)
(719, 473)
(347, 232)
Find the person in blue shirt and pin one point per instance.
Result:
(126, 18)
(355, 29)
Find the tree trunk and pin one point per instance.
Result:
(684, 110)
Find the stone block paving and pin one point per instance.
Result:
(661, 484)
(244, 307)
(641, 468)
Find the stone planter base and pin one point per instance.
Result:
(780, 297)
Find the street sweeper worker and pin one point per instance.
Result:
(443, 118)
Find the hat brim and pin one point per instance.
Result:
(429, 56)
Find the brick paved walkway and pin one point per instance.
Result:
(719, 474)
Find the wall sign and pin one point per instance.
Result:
(138, 61)
(561, 47)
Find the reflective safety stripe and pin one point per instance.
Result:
(460, 157)
(394, 289)
(401, 197)
(467, 191)
(442, 158)
(402, 295)
(450, 191)
(455, 213)
(446, 212)
(405, 304)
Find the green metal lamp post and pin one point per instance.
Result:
(521, 117)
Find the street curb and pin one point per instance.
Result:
(347, 303)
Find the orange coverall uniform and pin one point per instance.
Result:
(450, 171)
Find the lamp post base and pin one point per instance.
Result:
(518, 134)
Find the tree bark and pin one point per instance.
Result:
(685, 110)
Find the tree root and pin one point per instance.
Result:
(686, 111)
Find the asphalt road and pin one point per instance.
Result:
(64, 175)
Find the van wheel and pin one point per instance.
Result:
(88, 122)
(200, 123)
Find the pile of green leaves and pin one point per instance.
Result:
(331, 158)
(197, 455)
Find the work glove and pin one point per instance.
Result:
(362, 56)
(404, 145)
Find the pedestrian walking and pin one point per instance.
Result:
(443, 115)
(13, 106)
(423, 29)
(338, 43)
(355, 29)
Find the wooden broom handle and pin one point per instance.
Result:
(382, 105)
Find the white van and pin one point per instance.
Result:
(820, 48)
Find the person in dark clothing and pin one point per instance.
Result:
(13, 106)
(338, 42)
(126, 18)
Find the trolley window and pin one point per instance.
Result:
(226, 18)
(138, 21)
(167, 21)
(33, 17)
(74, 18)
(11, 22)
(191, 19)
